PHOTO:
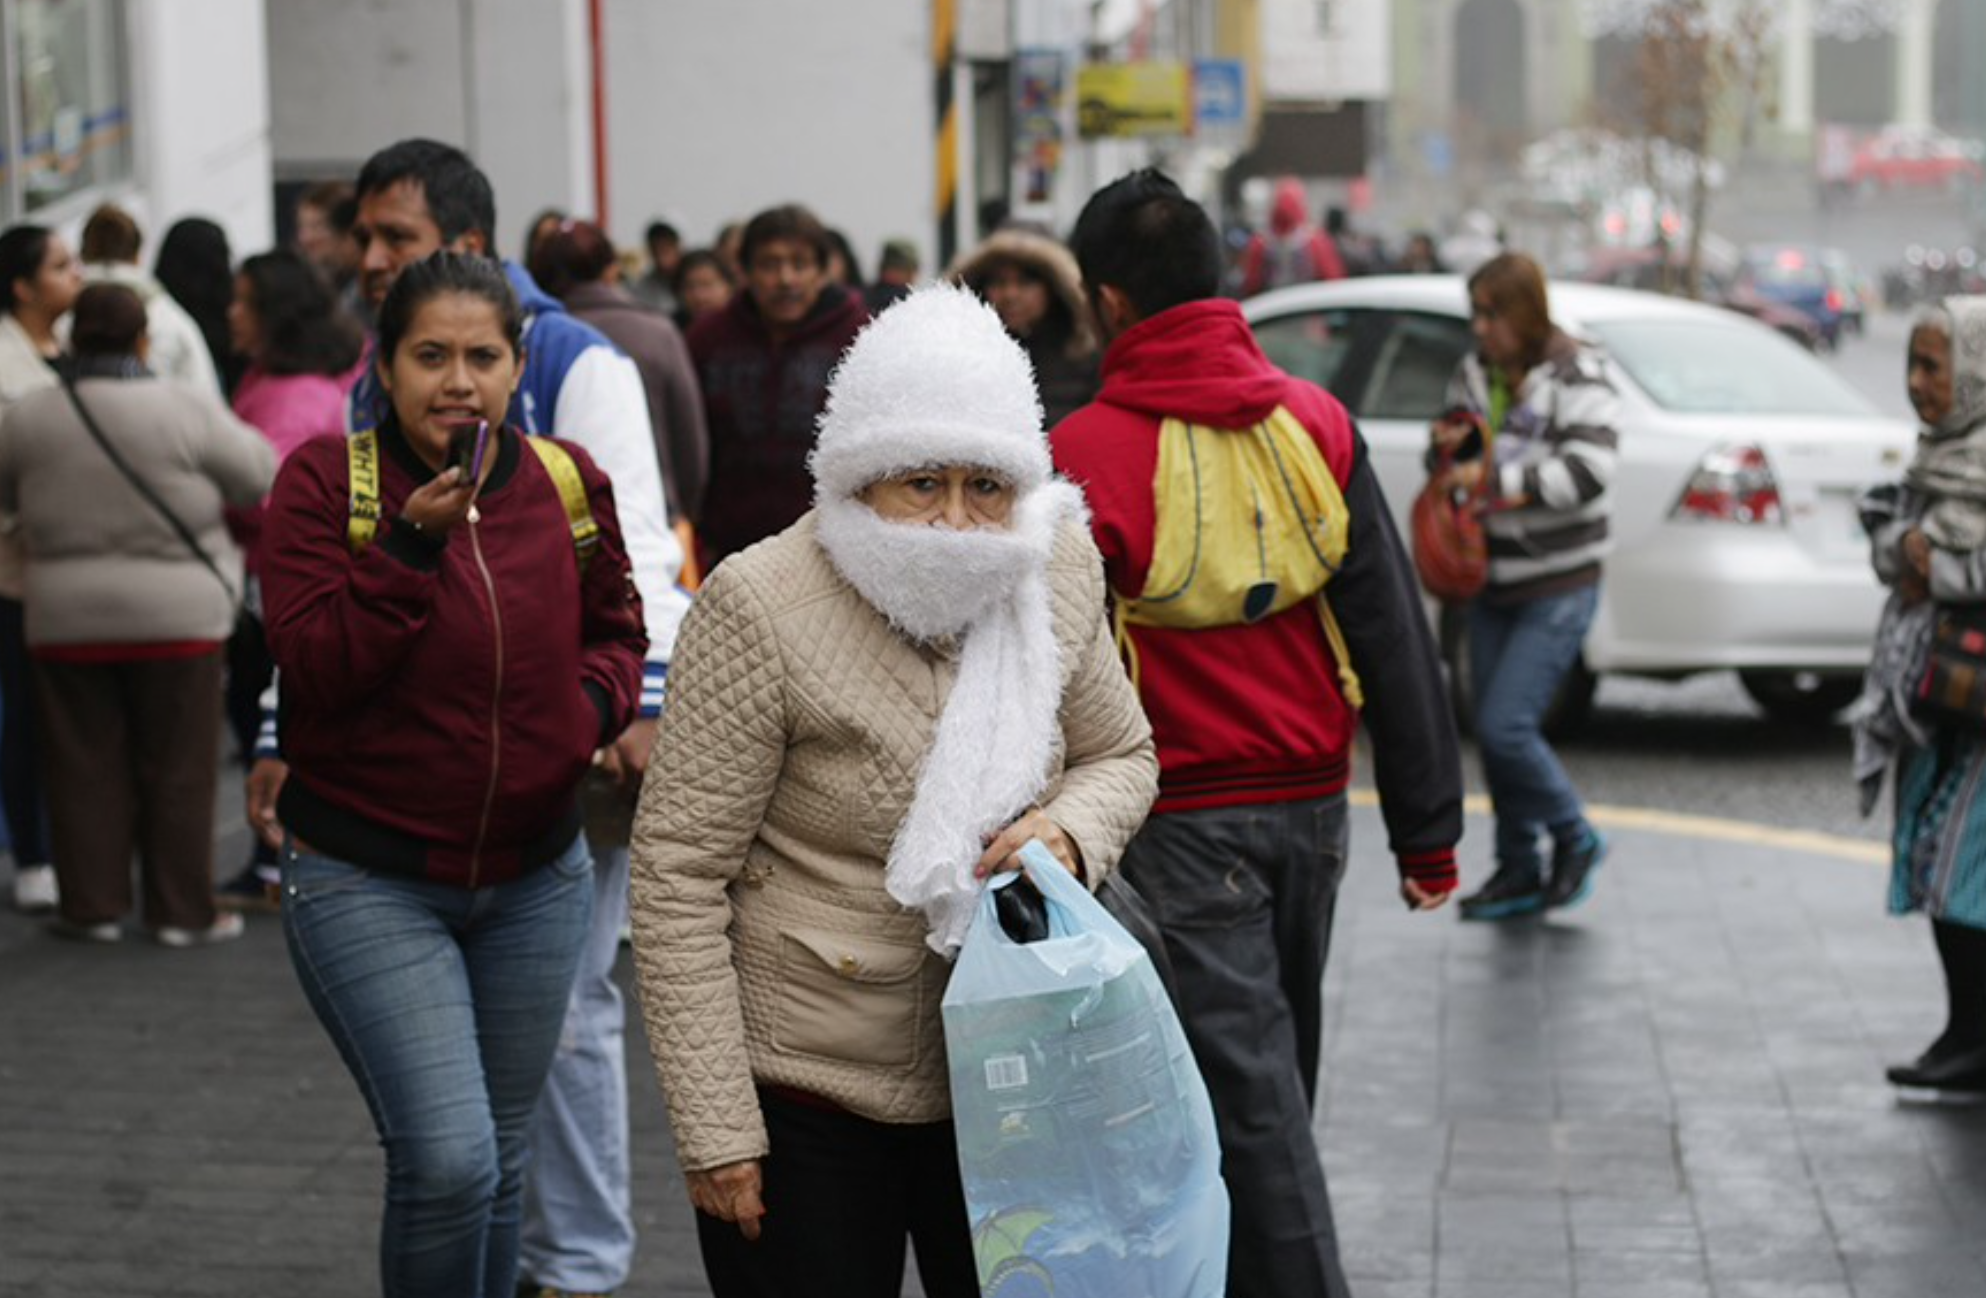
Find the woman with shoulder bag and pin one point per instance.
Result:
(1533, 436)
(133, 587)
(1928, 544)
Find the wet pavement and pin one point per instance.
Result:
(1674, 1091)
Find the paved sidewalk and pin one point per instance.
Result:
(1673, 1092)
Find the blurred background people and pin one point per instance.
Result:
(303, 353)
(196, 266)
(133, 583)
(576, 263)
(763, 363)
(39, 281)
(178, 349)
(704, 286)
(1032, 282)
(896, 274)
(656, 286)
(1292, 250)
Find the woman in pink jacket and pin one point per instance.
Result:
(303, 352)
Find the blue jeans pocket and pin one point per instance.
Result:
(308, 877)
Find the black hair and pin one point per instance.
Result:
(788, 222)
(197, 268)
(849, 261)
(22, 250)
(696, 259)
(458, 194)
(108, 320)
(660, 230)
(304, 330)
(447, 272)
(553, 216)
(344, 215)
(1143, 237)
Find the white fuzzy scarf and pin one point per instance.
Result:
(989, 760)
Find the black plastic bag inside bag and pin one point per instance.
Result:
(1022, 910)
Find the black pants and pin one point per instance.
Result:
(1245, 897)
(1962, 951)
(842, 1194)
(20, 765)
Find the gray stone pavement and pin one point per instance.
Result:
(1672, 1092)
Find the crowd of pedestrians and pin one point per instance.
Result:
(1038, 546)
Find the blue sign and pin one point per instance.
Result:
(1219, 92)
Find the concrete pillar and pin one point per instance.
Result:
(1915, 23)
(1437, 88)
(1796, 67)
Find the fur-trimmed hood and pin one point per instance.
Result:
(1049, 260)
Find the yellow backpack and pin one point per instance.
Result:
(362, 457)
(1250, 522)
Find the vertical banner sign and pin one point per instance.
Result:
(1039, 93)
(944, 38)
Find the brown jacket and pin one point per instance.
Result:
(797, 719)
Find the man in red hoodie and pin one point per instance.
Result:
(1253, 712)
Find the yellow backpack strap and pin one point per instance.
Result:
(572, 493)
(362, 458)
(1348, 681)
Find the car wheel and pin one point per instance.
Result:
(1570, 708)
(1801, 698)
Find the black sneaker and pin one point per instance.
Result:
(1572, 870)
(1513, 890)
(1944, 1067)
(255, 889)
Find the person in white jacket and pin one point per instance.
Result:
(414, 198)
(111, 242)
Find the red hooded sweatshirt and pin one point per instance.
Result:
(1249, 714)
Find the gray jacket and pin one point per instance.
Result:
(103, 566)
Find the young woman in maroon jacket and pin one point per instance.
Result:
(446, 682)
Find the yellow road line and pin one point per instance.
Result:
(1716, 828)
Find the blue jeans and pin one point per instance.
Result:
(445, 1003)
(1245, 897)
(1518, 654)
(578, 1216)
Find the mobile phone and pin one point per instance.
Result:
(466, 448)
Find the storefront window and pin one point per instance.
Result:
(71, 99)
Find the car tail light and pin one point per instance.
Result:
(1834, 299)
(1732, 484)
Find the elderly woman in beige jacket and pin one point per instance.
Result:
(868, 714)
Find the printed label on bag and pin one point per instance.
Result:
(1006, 1072)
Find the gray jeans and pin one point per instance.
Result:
(1245, 897)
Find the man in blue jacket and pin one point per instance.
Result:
(414, 199)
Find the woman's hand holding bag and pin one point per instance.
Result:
(1451, 553)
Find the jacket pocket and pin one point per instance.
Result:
(848, 998)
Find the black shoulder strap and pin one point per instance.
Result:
(145, 490)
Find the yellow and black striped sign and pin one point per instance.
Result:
(944, 45)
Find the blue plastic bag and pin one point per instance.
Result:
(1086, 1139)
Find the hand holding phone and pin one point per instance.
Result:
(467, 448)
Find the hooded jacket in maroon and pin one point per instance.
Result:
(1247, 714)
(442, 700)
(761, 398)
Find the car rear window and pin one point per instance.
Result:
(1707, 367)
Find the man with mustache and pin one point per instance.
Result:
(764, 362)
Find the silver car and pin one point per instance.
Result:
(1737, 544)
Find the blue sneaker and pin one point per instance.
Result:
(1512, 891)
(1572, 870)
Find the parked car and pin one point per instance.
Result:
(1797, 277)
(1898, 157)
(1642, 268)
(1851, 285)
(1737, 543)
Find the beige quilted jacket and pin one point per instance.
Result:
(788, 755)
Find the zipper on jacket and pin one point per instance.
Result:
(496, 702)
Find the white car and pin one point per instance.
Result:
(1737, 543)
